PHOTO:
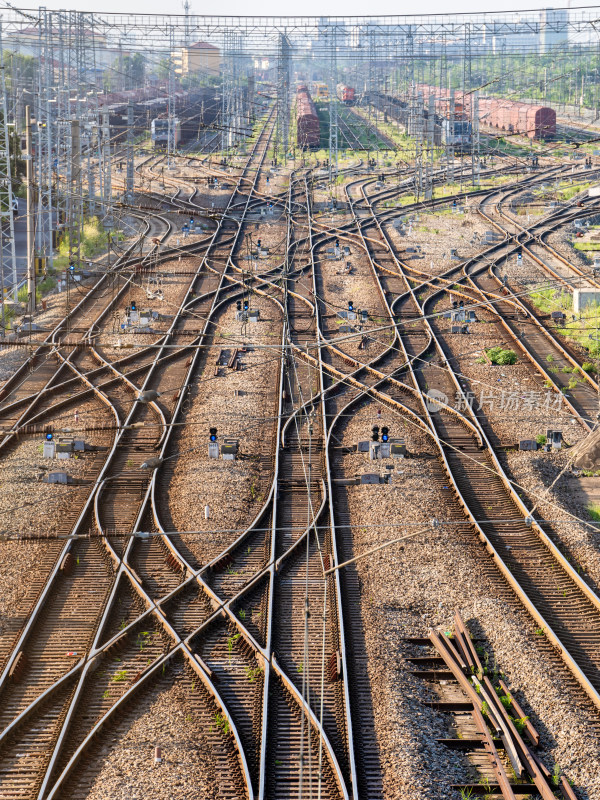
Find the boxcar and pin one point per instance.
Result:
(541, 122)
(307, 120)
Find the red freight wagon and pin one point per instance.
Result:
(307, 120)
(523, 127)
(484, 111)
(494, 105)
(514, 117)
(504, 115)
(541, 122)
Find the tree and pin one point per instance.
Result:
(134, 69)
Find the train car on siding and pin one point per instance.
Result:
(512, 116)
(541, 122)
(308, 129)
(346, 94)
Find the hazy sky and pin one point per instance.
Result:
(303, 7)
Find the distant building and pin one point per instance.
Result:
(524, 39)
(196, 59)
(554, 30)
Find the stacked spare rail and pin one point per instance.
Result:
(484, 716)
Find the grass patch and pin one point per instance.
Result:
(94, 240)
(594, 511)
(501, 357)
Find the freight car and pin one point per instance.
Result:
(512, 116)
(346, 94)
(455, 132)
(308, 129)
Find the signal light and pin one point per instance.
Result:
(133, 306)
(385, 434)
(350, 305)
(375, 434)
(246, 305)
(72, 267)
(238, 305)
(49, 437)
(213, 434)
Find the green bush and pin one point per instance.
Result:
(587, 366)
(501, 357)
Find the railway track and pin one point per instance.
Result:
(141, 597)
(561, 602)
(123, 493)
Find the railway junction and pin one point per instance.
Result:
(299, 406)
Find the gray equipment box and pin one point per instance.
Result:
(363, 447)
(229, 449)
(398, 448)
(213, 449)
(49, 449)
(64, 450)
(528, 444)
(57, 477)
(370, 477)
(384, 450)
(554, 438)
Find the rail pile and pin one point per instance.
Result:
(496, 726)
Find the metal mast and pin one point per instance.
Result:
(186, 11)
(129, 148)
(333, 121)
(91, 109)
(430, 147)
(283, 98)
(106, 172)
(450, 144)
(171, 100)
(475, 137)
(6, 194)
(45, 140)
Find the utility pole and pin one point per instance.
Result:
(333, 121)
(129, 151)
(450, 143)
(106, 172)
(29, 181)
(6, 212)
(171, 101)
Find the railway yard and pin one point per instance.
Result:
(300, 486)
